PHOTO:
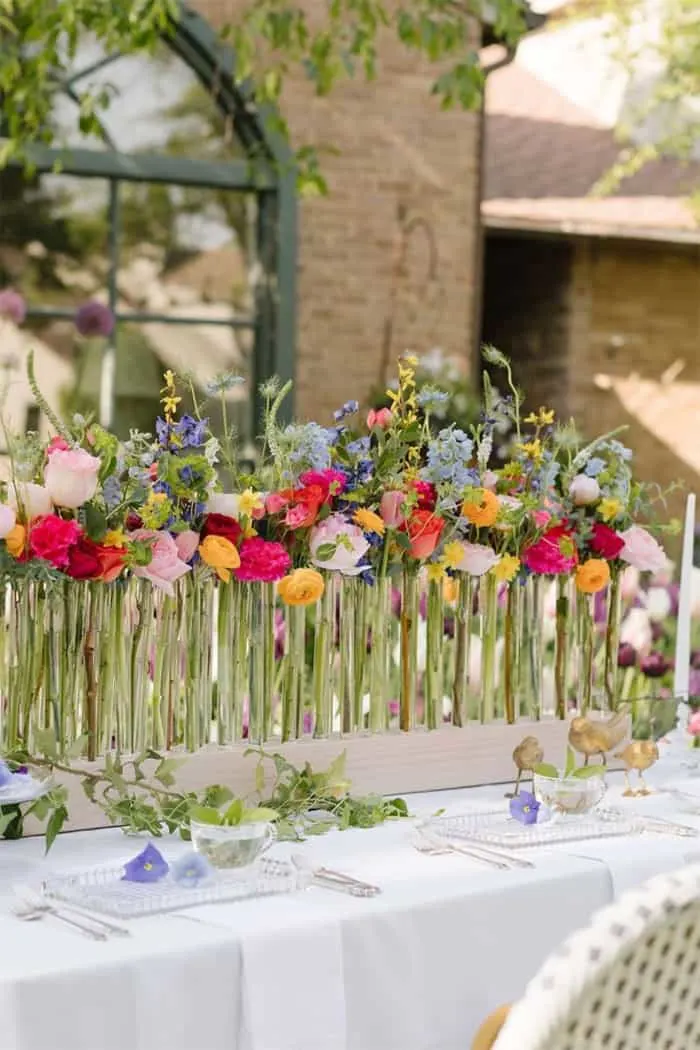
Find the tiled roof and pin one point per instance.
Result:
(544, 154)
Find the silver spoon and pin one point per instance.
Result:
(31, 913)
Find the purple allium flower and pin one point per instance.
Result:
(524, 807)
(94, 319)
(626, 655)
(12, 306)
(147, 866)
(191, 869)
(655, 665)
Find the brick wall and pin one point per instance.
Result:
(387, 260)
(636, 309)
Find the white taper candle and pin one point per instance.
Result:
(682, 674)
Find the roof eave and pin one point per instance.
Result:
(611, 230)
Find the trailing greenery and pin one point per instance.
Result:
(271, 39)
(140, 794)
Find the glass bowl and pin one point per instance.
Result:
(231, 846)
(569, 795)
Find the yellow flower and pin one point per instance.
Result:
(170, 403)
(301, 587)
(453, 554)
(531, 449)
(169, 380)
(609, 509)
(435, 571)
(249, 532)
(248, 502)
(221, 555)
(544, 417)
(369, 521)
(592, 576)
(15, 540)
(411, 359)
(449, 589)
(507, 568)
(481, 508)
(114, 538)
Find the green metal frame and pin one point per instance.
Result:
(268, 171)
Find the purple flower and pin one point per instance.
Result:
(147, 866)
(189, 432)
(5, 774)
(191, 869)
(308, 722)
(94, 319)
(626, 655)
(12, 306)
(524, 807)
(655, 665)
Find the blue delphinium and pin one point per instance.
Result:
(594, 466)
(308, 445)
(448, 460)
(429, 397)
(111, 491)
(348, 409)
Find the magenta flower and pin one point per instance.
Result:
(626, 655)
(94, 319)
(12, 306)
(524, 808)
(655, 665)
(147, 866)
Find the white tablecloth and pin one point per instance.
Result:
(414, 969)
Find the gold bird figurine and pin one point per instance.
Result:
(639, 755)
(526, 756)
(597, 737)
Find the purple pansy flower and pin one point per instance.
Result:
(147, 866)
(12, 306)
(94, 319)
(191, 869)
(524, 807)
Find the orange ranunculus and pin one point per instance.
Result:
(481, 508)
(301, 587)
(220, 554)
(16, 541)
(592, 576)
(424, 529)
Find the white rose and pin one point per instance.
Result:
(8, 520)
(584, 490)
(226, 503)
(477, 559)
(658, 604)
(30, 500)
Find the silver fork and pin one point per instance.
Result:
(436, 851)
(41, 904)
(478, 851)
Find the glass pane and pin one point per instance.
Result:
(53, 237)
(157, 105)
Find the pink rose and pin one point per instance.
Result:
(187, 543)
(379, 418)
(337, 545)
(57, 444)
(166, 566)
(277, 501)
(694, 724)
(641, 550)
(391, 508)
(477, 559)
(8, 520)
(70, 477)
(541, 517)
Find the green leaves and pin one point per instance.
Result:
(583, 772)
(545, 769)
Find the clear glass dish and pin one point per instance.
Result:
(498, 828)
(105, 890)
(569, 796)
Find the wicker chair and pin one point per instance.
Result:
(629, 981)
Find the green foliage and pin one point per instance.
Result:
(140, 795)
(270, 38)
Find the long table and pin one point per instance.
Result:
(416, 968)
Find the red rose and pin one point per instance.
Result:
(88, 560)
(51, 539)
(424, 530)
(427, 495)
(262, 561)
(605, 542)
(222, 525)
